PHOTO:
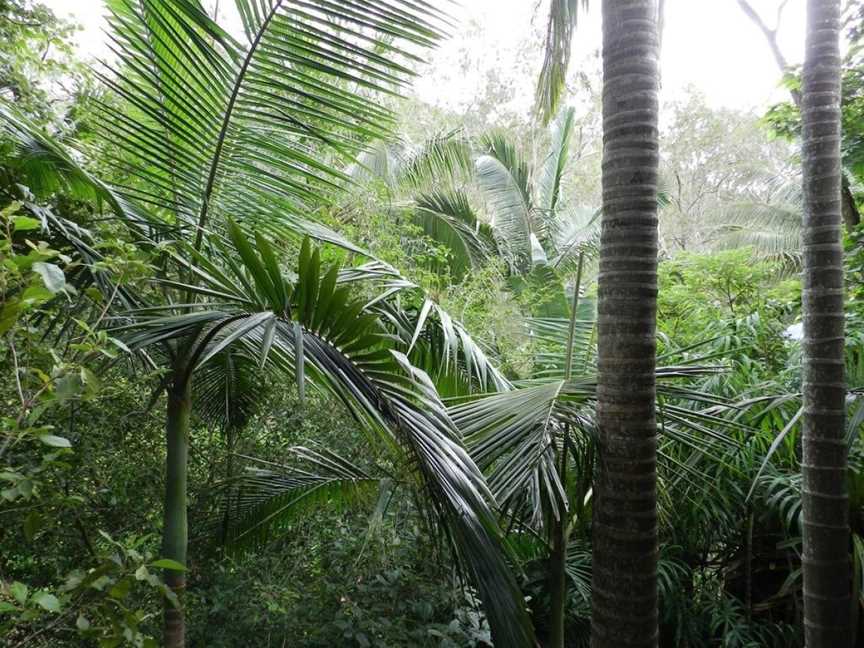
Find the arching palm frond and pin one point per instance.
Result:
(513, 434)
(441, 346)
(316, 330)
(400, 164)
(49, 166)
(552, 168)
(443, 157)
(447, 217)
(771, 226)
(551, 336)
(505, 179)
(577, 235)
(217, 127)
(264, 501)
(563, 17)
(229, 389)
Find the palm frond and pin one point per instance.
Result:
(504, 177)
(263, 503)
(563, 17)
(771, 225)
(347, 352)
(552, 168)
(228, 390)
(447, 218)
(217, 127)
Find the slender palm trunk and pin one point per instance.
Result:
(624, 585)
(825, 500)
(559, 531)
(175, 530)
(558, 570)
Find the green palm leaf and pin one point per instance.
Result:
(563, 16)
(218, 127)
(346, 352)
(447, 217)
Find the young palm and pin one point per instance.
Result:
(317, 332)
(203, 125)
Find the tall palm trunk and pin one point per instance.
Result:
(825, 500)
(624, 598)
(175, 530)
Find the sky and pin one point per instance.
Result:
(707, 44)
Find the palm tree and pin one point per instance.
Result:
(825, 496)
(536, 442)
(317, 331)
(213, 126)
(624, 584)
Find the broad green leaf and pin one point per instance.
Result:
(47, 601)
(55, 441)
(52, 276)
(18, 591)
(25, 223)
(167, 563)
(32, 524)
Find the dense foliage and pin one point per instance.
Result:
(386, 313)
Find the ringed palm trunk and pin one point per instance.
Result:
(825, 500)
(175, 529)
(624, 583)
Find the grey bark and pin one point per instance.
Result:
(624, 583)
(825, 499)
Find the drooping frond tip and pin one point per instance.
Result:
(563, 16)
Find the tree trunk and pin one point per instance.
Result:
(175, 530)
(624, 584)
(558, 569)
(560, 527)
(825, 500)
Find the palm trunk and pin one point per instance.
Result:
(175, 531)
(560, 535)
(624, 584)
(557, 569)
(825, 500)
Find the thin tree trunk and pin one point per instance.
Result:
(624, 584)
(175, 530)
(825, 500)
(558, 570)
(560, 530)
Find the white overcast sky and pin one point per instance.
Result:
(709, 44)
